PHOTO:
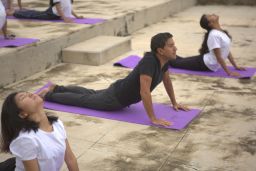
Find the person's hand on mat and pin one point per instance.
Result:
(9, 37)
(180, 107)
(234, 74)
(240, 68)
(161, 122)
(68, 20)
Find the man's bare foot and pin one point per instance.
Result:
(43, 92)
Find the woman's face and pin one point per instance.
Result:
(28, 103)
(212, 19)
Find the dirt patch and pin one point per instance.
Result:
(88, 119)
(60, 69)
(71, 124)
(154, 146)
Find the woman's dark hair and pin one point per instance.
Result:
(12, 124)
(52, 3)
(204, 23)
(159, 41)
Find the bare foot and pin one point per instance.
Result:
(43, 92)
(9, 12)
(51, 87)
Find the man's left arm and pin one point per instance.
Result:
(170, 91)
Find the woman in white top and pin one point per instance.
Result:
(58, 9)
(63, 9)
(214, 51)
(2, 15)
(3, 22)
(10, 7)
(36, 139)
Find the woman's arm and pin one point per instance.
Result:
(4, 30)
(19, 4)
(170, 91)
(61, 14)
(31, 165)
(74, 14)
(70, 158)
(9, 4)
(232, 61)
(223, 64)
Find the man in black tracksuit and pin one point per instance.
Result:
(137, 86)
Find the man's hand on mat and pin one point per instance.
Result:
(234, 74)
(180, 107)
(161, 122)
(240, 68)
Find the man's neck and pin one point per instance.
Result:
(162, 60)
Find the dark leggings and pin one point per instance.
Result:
(39, 15)
(194, 63)
(8, 165)
(83, 97)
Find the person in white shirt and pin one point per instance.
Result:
(214, 51)
(2, 15)
(37, 140)
(63, 9)
(10, 7)
(3, 22)
(58, 10)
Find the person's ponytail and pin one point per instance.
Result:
(204, 23)
(204, 48)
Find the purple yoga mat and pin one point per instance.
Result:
(16, 42)
(77, 21)
(133, 114)
(133, 60)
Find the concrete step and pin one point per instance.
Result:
(19, 63)
(96, 51)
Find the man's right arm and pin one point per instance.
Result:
(145, 83)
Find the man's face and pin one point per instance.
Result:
(169, 50)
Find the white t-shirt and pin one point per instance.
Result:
(47, 147)
(5, 3)
(216, 39)
(2, 15)
(66, 7)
